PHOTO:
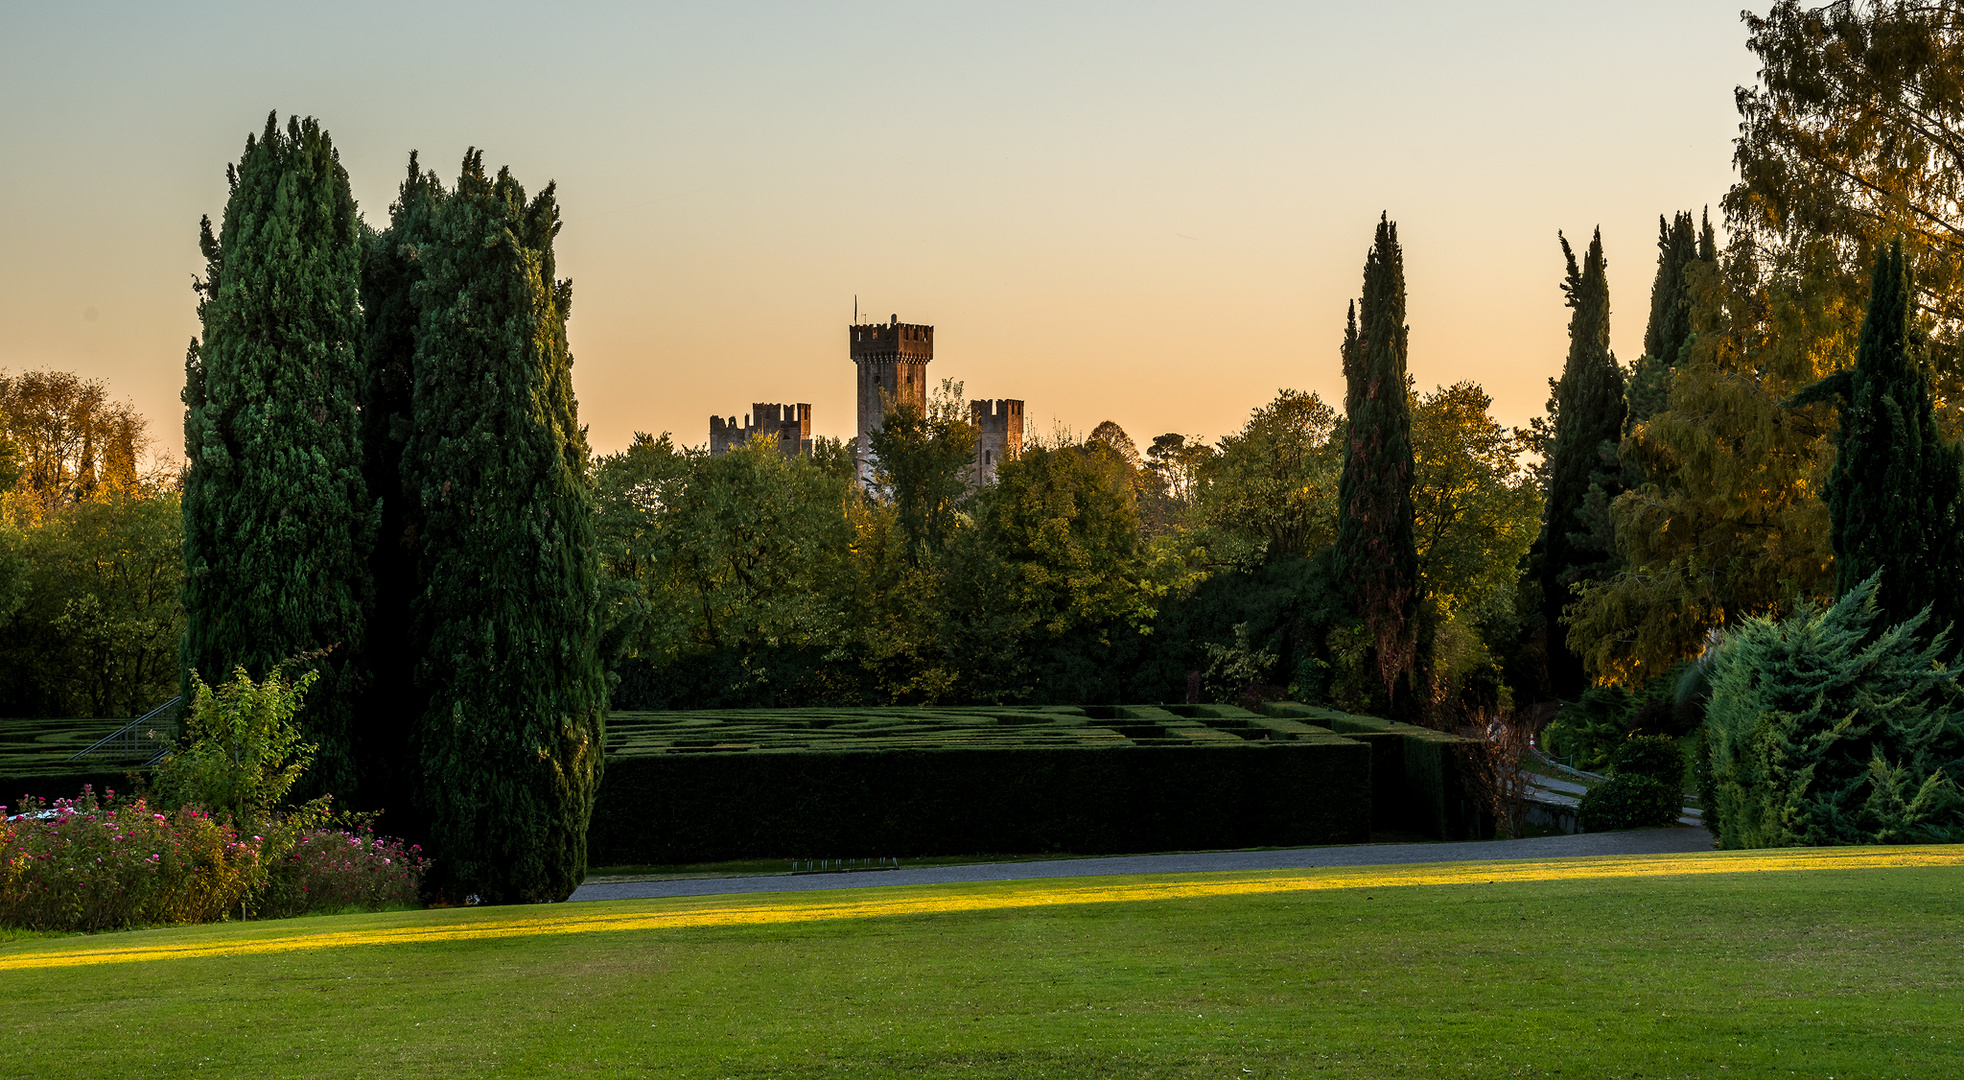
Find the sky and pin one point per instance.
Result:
(1142, 212)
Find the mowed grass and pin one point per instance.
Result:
(1759, 964)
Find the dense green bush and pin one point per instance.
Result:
(1821, 730)
(1629, 801)
(1654, 756)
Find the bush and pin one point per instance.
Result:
(1591, 729)
(1655, 756)
(245, 753)
(330, 870)
(1628, 801)
(1821, 731)
(88, 865)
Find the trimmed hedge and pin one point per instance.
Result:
(1415, 776)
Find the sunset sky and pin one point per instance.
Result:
(1149, 213)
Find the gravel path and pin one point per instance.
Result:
(1633, 842)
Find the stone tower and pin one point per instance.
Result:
(892, 361)
(998, 435)
(789, 426)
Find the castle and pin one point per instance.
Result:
(891, 359)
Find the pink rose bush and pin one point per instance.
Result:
(88, 864)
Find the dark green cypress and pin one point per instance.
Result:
(507, 613)
(1893, 498)
(1375, 550)
(1582, 470)
(277, 518)
(1680, 245)
(391, 708)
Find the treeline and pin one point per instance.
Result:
(90, 554)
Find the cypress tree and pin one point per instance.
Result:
(1679, 246)
(1893, 498)
(1375, 549)
(277, 519)
(390, 708)
(507, 610)
(1582, 471)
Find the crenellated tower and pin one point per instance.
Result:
(998, 435)
(788, 426)
(892, 360)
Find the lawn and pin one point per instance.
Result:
(1758, 964)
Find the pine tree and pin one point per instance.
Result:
(1668, 332)
(1375, 549)
(277, 518)
(1894, 497)
(1582, 472)
(506, 617)
(390, 707)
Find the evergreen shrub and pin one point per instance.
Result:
(1628, 801)
(1822, 730)
(1655, 756)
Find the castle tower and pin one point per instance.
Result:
(789, 426)
(892, 361)
(998, 435)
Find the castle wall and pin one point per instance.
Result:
(789, 426)
(892, 364)
(999, 435)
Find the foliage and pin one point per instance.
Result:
(506, 616)
(1656, 756)
(1728, 522)
(62, 441)
(1588, 730)
(1896, 496)
(243, 753)
(924, 466)
(1669, 331)
(1854, 136)
(92, 865)
(1628, 801)
(1169, 481)
(1822, 730)
(1268, 491)
(1375, 553)
(277, 517)
(1492, 761)
(1475, 510)
(1575, 542)
(336, 870)
(91, 624)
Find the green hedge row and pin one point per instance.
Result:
(670, 809)
(1415, 775)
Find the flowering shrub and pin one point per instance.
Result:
(85, 864)
(335, 870)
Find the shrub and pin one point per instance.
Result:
(1823, 731)
(329, 870)
(1655, 756)
(1590, 729)
(92, 865)
(245, 752)
(1628, 801)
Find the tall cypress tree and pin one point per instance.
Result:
(277, 518)
(390, 708)
(506, 615)
(1375, 549)
(1582, 471)
(1679, 245)
(1894, 496)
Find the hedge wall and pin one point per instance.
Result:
(1415, 776)
(685, 808)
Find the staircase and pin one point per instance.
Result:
(141, 742)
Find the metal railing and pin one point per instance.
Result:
(145, 739)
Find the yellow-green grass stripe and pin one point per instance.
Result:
(752, 909)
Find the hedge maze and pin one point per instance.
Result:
(712, 785)
(685, 787)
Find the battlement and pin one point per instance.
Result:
(790, 426)
(998, 434)
(891, 342)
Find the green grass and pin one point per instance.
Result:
(1843, 973)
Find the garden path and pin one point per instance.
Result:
(1666, 841)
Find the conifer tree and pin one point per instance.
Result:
(1894, 497)
(390, 707)
(1375, 548)
(277, 518)
(506, 616)
(1668, 332)
(1582, 472)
